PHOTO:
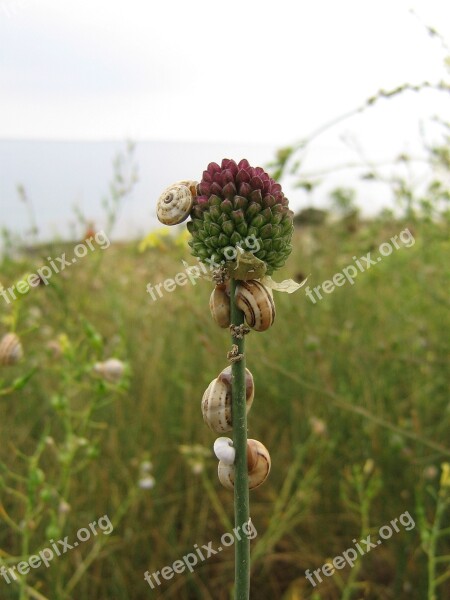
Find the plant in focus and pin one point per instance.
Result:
(241, 225)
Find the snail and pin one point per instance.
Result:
(219, 304)
(175, 203)
(111, 370)
(216, 401)
(258, 462)
(224, 450)
(11, 350)
(256, 302)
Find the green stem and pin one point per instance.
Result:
(241, 503)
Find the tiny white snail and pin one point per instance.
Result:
(219, 305)
(111, 370)
(224, 450)
(256, 302)
(175, 203)
(258, 463)
(11, 350)
(216, 401)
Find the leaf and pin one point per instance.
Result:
(287, 285)
(247, 266)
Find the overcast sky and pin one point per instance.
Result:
(248, 71)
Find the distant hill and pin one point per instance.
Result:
(58, 174)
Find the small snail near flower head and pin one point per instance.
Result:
(258, 463)
(216, 401)
(175, 203)
(11, 351)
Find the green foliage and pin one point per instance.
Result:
(357, 377)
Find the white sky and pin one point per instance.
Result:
(247, 71)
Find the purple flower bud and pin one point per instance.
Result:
(245, 189)
(216, 189)
(256, 183)
(229, 190)
(204, 188)
(213, 168)
(243, 176)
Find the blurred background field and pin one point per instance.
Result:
(100, 402)
(352, 401)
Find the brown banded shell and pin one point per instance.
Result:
(258, 463)
(175, 203)
(216, 401)
(219, 305)
(11, 350)
(256, 302)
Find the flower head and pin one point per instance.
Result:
(237, 202)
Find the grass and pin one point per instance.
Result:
(351, 401)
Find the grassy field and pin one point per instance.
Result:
(351, 400)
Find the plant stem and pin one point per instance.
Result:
(241, 503)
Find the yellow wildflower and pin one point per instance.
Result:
(445, 476)
(155, 239)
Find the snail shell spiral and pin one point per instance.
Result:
(256, 302)
(258, 463)
(216, 401)
(11, 350)
(175, 203)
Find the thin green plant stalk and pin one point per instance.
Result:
(241, 495)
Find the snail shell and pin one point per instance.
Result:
(258, 463)
(256, 302)
(224, 450)
(216, 401)
(11, 350)
(175, 203)
(219, 305)
(111, 370)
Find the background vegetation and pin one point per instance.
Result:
(351, 400)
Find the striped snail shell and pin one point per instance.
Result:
(258, 463)
(11, 350)
(219, 305)
(256, 302)
(216, 401)
(175, 203)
